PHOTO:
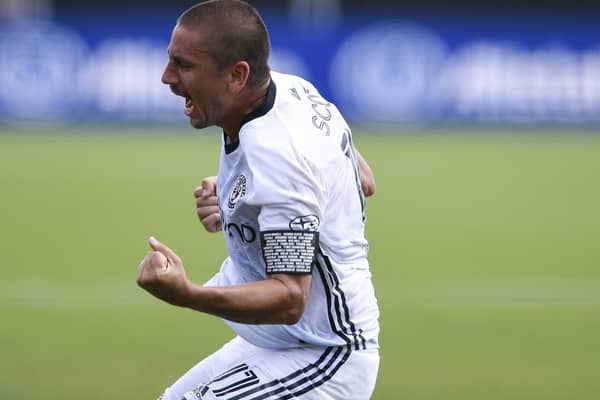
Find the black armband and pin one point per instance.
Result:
(289, 252)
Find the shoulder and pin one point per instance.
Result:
(300, 124)
(275, 129)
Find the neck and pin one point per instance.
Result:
(248, 102)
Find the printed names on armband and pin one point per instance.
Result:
(289, 251)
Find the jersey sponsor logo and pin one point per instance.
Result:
(305, 223)
(239, 191)
(245, 233)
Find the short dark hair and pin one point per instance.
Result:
(236, 32)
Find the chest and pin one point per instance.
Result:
(239, 218)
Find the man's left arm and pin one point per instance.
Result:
(279, 299)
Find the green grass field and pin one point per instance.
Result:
(485, 251)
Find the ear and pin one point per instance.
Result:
(238, 76)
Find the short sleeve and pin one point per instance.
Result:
(288, 194)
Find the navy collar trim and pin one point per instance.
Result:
(229, 147)
(264, 108)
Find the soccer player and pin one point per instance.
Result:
(296, 286)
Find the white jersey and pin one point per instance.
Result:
(291, 202)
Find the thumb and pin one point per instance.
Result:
(162, 248)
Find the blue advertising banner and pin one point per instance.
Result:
(377, 68)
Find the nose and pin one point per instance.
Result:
(169, 77)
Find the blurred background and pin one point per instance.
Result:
(481, 121)
(385, 62)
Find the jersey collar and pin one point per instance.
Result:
(264, 108)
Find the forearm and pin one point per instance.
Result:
(272, 301)
(367, 180)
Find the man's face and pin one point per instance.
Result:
(192, 73)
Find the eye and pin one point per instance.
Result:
(181, 64)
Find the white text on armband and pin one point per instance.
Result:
(289, 252)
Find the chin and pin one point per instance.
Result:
(198, 123)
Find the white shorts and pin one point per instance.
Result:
(242, 371)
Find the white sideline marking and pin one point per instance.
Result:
(497, 293)
(448, 293)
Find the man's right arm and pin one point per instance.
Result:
(207, 205)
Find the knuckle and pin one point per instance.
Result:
(209, 228)
(156, 258)
(142, 280)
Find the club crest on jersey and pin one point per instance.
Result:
(305, 223)
(239, 191)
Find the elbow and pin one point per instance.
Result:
(292, 298)
(293, 316)
(294, 308)
(367, 183)
(369, 189)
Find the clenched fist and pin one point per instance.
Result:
(162, 274)
(207, 205)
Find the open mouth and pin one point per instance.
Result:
(189, 106)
